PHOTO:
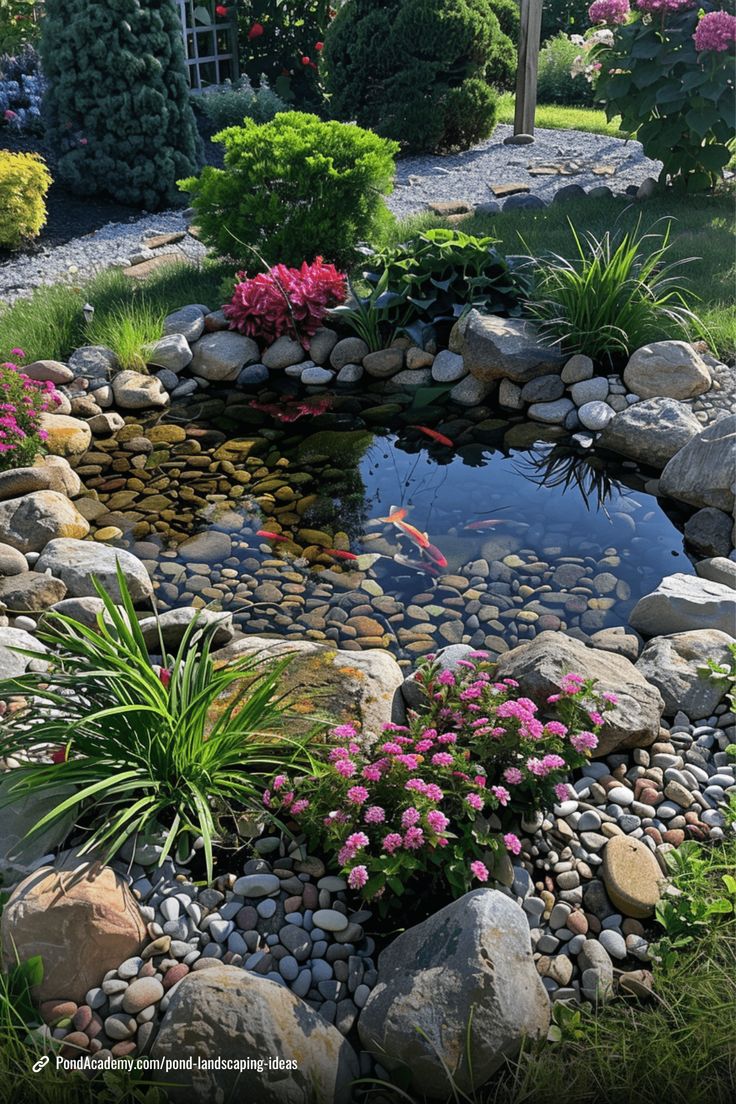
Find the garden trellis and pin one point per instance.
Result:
(210, 44)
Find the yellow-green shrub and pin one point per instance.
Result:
(24, 182)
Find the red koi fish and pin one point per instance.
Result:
(488, 523)
(271, 536)
(340, 554)
(421, 540)
(435, 435)
(434, 554)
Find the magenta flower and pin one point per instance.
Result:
(344, 732)
(413, 839)
(279, 781)
(512, 843)
(372, 773)
(513, 776)
(345, 767)
(475, 801)
(357, 877)
(442, 759)
(562, 791)
(358, 795)
(501, 794)
(479, 870)
(299, 806)
(609, 11)
(391, 842)
(584, 741)
(437, 821)
(410, 817)
(715, 33)
(374, 814)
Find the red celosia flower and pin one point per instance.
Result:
(256, 31)
(286, 301)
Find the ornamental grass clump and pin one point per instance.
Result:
(618, 294)
(434, 802)
(292, 301)
(22, 402)
(147, 750)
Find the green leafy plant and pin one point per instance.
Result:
(438, 275)
(19, 24)
(230, 103)
(24, 182)
(673, 89)
(617, 294)
(725, 675)
(420, 71)
(370, 316)
(117, 103)
(284, 40)
(555, 82)
(700, 901)
(564, 16)
(145, 749)
(294, 189)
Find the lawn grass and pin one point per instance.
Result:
(702, 228)
(559, 117)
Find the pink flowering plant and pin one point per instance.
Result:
(667, 68)
(292, 301)
(22, 402)
(438, 797)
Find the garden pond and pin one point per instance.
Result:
(380, 521)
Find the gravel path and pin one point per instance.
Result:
(118, 244)
(468, 176)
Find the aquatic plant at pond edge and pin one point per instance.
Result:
(144, 748)
(618, 294)
(421, 803)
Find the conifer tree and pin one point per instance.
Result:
(117, 107)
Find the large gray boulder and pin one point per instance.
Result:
(651, 431)
(505, 348)
(12, 664)
(30, 592)
(458, 992)
(30, 522)
(703, 473)
(674, 663)
(684, 602)
(540, 666)
(232, 1014)
(708, 532)
(17, 850)
(171, 351)
(670, 368)
(76, 562)
(173, 624)
(718, 570)
(134, 391)
(220, 356)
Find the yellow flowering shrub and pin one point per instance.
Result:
(24, 182)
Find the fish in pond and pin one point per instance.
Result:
(271, 536)
(433, 553)
(340, 554)
(491, 523)
(292, 409)
(416, 565)
(396, 513)
(435, 435)
(428, 550)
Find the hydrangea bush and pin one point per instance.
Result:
(437, 798)
(22, 402)
(21, 91)
(291, 301)
(667, 68)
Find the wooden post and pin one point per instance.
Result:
(530, 33)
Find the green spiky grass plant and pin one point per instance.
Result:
(127, 329)
(619, 292)
(142, 749)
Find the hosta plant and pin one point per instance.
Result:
(620, 292)
(668, 71)
(143, 746)
(431, 280)
(430, 806)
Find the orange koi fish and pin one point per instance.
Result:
(271, 536)
(421, 540)
(339, 554)
(435, 435)
(395, 514)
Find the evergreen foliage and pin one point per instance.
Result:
(117, 103)
(421, 71)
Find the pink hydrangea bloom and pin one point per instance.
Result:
(437, 821)
(446, 678)
(374, 814)
(657, 7)
(562, 791)
(442, 759)
(299, 806)
(479, 870)
(584, 741)
(413, 839)
(475, 801)
(357, 877)
(556, 728)
(344, 732)
(595, 717)
(279, 781)
(609, 697)
(371, 773)
(716, 32)
(391, 842)
(346, 767)
(358, 795)
(410, 817)
(513, 776)
(501, 794)
(609, 11)
(512, 843)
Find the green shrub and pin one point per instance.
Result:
(293, 189)
(618, 294)
(283, 39)
(429, 281)
(119, 117)
(418, 71)
(145, 749)
(229, 104)
(24, 182)
(555, 84)
(566, 16)
(19, 24)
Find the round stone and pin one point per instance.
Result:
(142, 993)
(330, 920)
(257, 885)
(632, 876)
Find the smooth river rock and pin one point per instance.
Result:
(671, 368)
(682, 603)
(674, 663)
(651, 431)
(632, 876)
(76, 562)
(28, 523)
(702, 472)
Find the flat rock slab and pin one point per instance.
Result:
(682, 603)
(632, 876)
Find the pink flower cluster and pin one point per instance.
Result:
(22, 402)
(715, 33)
(611, 12)
(285, 300)
(657, 7)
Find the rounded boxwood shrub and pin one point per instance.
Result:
(555, 82)
(117, 103)
(420, 71)
(293, 189)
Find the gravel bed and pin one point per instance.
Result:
(118, 244)
(468, 176)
